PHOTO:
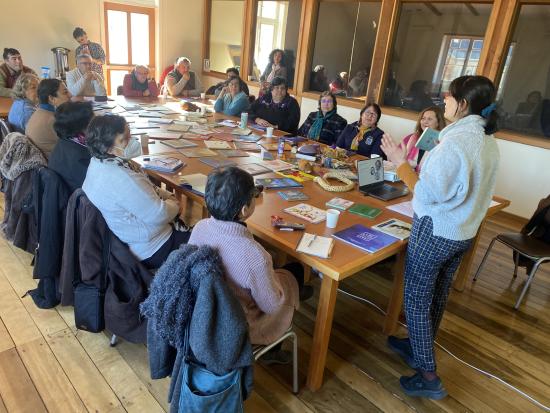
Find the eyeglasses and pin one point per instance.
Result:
(326, 101)
(370, 114)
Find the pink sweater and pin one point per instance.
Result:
(267, 296)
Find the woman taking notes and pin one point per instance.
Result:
(232, 100)
(432, 118)
(451, 197)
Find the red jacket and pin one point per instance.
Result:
(129, 92)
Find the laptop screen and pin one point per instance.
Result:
(370, 171)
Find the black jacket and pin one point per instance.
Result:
(285, 115)
(127, 278)
(50, 197)
(70, 160)
(369, 145)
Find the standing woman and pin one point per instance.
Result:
(275, 68)
(90, 48)
(451, 197)
(324, 125)
(232, 100)
(364, 136)
(431, 117)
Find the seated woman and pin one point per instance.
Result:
(277, 108)
(25, 100)
(432, 118)
(232, 100)
(70, 156)
(364, 136)
(325, 125)
(129, 202)
(138, 84)
(51, 94)
(269, 296)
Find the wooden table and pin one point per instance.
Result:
(345, 261)
(5, 105)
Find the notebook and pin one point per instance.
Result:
(315, 245)
(427, 140)
(179, 144)
(195, 182)
(395, 227)
(241, 131)
(307, 212)
(403, 208)
(365, 211)
(365, 238)
(217, 145)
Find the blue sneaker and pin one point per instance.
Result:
(418, 386)
(402, 346)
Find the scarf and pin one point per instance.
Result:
(317, 126)
(137, 85)
(80, 139)
(359, 137)
(47, 106)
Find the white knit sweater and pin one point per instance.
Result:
(457, 179)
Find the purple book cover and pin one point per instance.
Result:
(366, 238)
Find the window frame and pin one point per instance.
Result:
(150, 11)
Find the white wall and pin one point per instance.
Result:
(522, 176)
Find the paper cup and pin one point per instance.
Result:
(144, 140)
(203, 95)
(269, 132)
(332, 218)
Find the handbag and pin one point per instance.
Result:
(89, 300)
(205, 392)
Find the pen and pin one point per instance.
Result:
(311, 240)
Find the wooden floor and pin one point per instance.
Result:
(46, 365)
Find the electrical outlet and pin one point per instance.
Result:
(207, 65)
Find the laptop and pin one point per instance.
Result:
(370, 173)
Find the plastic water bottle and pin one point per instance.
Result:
(164, 93)
(244, 120)
(281, 148)
(45, 72)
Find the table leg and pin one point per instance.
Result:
(321, 335)
(467, 260)
(396, 299)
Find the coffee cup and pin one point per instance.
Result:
(203, 96)
(332, 218)
(269, 131)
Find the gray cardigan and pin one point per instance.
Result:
(189, 289)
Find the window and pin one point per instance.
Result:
(130, 35)
(226, 23)
(524, 98)
(435, 43)
(277, 27)
(344, 44)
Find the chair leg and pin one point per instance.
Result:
(484, 258)
(294, 363)
(516, 262)
(528, 283)
(114, 340)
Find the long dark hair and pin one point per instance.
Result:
(101, 134)
(272, 54)
(479, 93)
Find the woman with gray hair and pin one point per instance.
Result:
(138, 84)
(25, 101)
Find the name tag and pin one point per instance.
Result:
(369, 140)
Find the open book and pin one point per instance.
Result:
(315, 245)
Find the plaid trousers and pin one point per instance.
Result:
(429, 268)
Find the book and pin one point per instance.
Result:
(339, 203)
(365, 238)
(178, 128)
(307, 212)
(277, 165)
(299, 176)
(195, 182)
(234, 153)
(146, 114)
(254, 168)
(395, 227)
(166, 164)
(275, 146)
(163, 135)
(199, 153)
(249, 138)
(428, 139)
(293, 195)
(144, 126)
(248, 146)
(241, 131)
(315, 245)
(179, 144)
(229, 123)
(217, 162)
(365, 211)
(217, 145)
(135, 132)
(403, 208)
(274, 183)
(162, 121)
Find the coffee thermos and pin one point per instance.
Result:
(61, 59)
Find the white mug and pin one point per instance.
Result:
(269, 131)
(203, 95)
(332, 218)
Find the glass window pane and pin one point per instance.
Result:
(344, 43)
(277, 27)
(433, 46)
(225, 39)
(140, 38)
(117, 25)
(524, 90)
(116, 79)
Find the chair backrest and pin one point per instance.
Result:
(119, 91)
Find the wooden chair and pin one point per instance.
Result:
(526, 245)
